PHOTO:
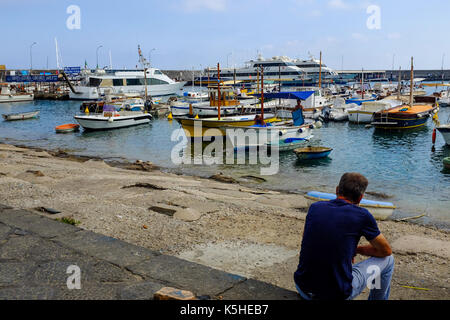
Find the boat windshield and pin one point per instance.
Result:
(94, 82)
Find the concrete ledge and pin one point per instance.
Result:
(182, 274)
(257, 290)
(44, 227)
(106, 248)
(3, 207)
(35, 253)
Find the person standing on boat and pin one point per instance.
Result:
(298, 106)
(330, 243)
(259, 121)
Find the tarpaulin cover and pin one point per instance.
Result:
(298, 95)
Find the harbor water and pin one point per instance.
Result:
(401, 166)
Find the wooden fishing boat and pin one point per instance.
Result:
(197, 128)
(310, 153)
(209, 127)
(21, 116)
(403, 117)
(69, 127)
(406, 116)
(380, 210)
(284, 136)
(446, 162)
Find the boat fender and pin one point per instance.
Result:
(280, 133)
(110, 120)
(311, 126)
(434, 136)
(300, 130)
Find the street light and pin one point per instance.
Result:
(97, 53)
(31, 56)
(150, 57)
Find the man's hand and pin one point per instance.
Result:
(378, 247)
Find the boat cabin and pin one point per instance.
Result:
(227, 96)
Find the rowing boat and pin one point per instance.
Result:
(69, 127)
(20, 116)
(380, 210)
(310, 153)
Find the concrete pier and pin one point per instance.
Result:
(36, 252)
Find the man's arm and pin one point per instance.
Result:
(378, 247)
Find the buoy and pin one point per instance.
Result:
(434, 136)
(86, 110)
(170, 117)
(196, 116)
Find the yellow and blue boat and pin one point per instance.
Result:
(403, 117)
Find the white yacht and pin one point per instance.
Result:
(274, 69)
(312, 68)
(95, 84)
(7, 95)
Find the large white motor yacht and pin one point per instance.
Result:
(94, 84)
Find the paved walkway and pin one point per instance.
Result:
(35, 253)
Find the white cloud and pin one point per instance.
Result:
(213, 5)
(338, 4)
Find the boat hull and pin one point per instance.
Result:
(445, 131)
(94, 93)
(311, 154)
(103, 123)
(360, 116)
(16, 98)
(446, 162)
(207, 128)
(403, 117)
(66, 128)
(283, 138)
(398, 123)
(21, 116)
(379, 210)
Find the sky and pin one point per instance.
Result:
(187, 34)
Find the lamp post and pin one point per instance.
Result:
(31, 55)
(150, 57)
(97, 53)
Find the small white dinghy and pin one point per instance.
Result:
(380, 210)
(20, 116)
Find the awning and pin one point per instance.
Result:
(298, 95)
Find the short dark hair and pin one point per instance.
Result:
(352, 186)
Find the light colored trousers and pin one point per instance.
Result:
(373, 273)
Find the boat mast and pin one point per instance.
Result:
(412, 83)
(320, 71)
(218, 90)
(399, 83)
(262, 93)
(57, 55)
(362, 83)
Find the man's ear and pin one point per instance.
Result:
(360, 198)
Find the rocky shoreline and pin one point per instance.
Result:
(221, 224)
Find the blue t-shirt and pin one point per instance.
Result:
(332, 233)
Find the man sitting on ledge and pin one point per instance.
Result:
(330, 243)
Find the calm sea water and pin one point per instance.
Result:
(400, 165)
